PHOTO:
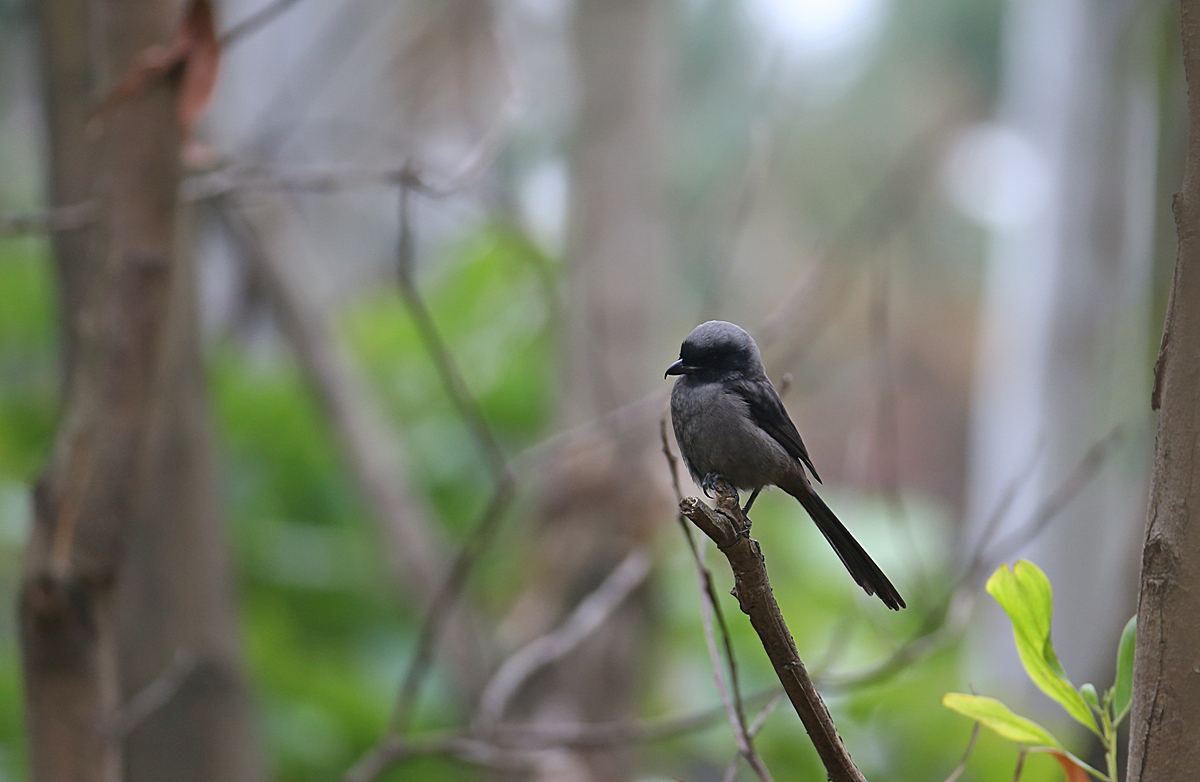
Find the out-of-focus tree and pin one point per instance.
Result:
(1067, 193)
(602, 496)
(129, 637)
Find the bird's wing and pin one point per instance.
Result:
(766, 409)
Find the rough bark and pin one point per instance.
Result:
(1166, 690)
(126, 565)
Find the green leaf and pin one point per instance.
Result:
(1014, 727)
(1001, 719)
(1025, 595)
(1123, 688)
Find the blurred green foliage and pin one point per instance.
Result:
(328, 637)
(28, 404)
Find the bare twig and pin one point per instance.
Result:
(948, 616)
(156, 694)
(962, 764)
(468, 409)
(672, 461)
(1004, 504)
(589, 615)
(596, 735)
(728, 528)
(520, 747)
(887, 424)
(1088, 467)
(254, 22)
(378, 463)
(1020, 764)
(760, 719)
(394, 750)
(407, 180)
(888, 206)
(59, 218)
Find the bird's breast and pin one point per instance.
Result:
(716, 434)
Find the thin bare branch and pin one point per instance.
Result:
(760, 719)
(464, 403)
(888, 206)
(588, 616)
(255, 21)
(948, 616)
(1020, 764)
(60, 218)
(962, 764)
(1004, 504)
(517, 745)
(672, 462)
(887, 423)
(468, 409)
(1088, 467)
(598, 735)
(417, 554)
(156, 694)
(393, 750)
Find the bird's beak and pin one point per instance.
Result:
(678, 368)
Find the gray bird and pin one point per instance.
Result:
(730, 422)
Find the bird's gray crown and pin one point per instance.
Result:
(720, 345)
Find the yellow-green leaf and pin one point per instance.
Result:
(1000, 718)
(1025, 595)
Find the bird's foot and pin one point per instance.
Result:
(711, 484)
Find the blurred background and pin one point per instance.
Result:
(947, 223)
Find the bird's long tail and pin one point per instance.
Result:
(853, 556)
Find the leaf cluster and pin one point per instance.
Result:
(1024, 593)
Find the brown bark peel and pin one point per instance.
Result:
(1166, 690)
(728, 528)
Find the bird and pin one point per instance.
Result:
(730, 423)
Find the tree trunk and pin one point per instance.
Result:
(602, 498)
(1166, 690)
(126, 569)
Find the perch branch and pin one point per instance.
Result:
(729, 529)
(710, 605)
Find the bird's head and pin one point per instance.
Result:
(717, 347)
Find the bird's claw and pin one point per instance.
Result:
(710, 484)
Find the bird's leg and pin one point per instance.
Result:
(709, 484)
(749, 502)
